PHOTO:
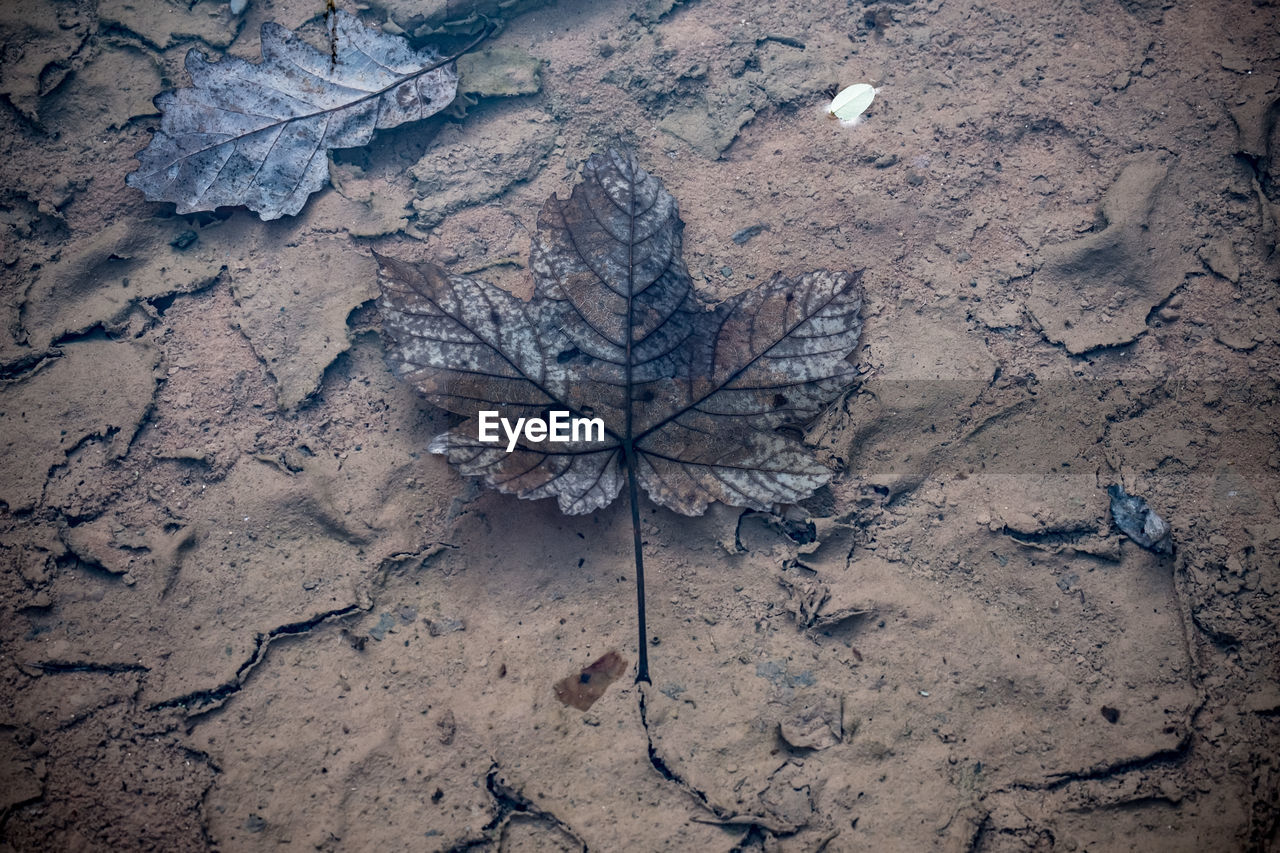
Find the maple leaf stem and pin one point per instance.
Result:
(642, 666)
(628, 445)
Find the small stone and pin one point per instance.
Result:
(184, 240)
(1139, 522)
(438, 627)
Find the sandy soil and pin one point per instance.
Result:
(243, 608)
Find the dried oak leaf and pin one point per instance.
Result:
(259, 135)
(691, 398)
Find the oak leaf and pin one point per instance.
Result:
(259, 134)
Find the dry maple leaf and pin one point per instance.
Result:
(690, 399)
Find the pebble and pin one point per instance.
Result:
(1139, 522)
(184, 240)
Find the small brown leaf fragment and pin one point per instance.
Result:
(582, 689)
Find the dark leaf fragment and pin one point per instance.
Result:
(1139, 522)
(690, 398)
(582, 689)
(259, 135)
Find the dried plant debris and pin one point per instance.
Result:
(807, 600)
(615, 372)
(259, 135)
(1139, 522)
(582, 689)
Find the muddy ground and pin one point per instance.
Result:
(243, 607)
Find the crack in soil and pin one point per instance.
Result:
(210, 699)
(1083, 539)
(55, 667)
(27, 365)
(512, 806)
(1175, 754)
(213, 698)
(721, 816)
(661, 766)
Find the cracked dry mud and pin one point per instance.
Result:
(241, 607)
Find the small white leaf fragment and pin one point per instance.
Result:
(852, 101)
